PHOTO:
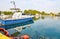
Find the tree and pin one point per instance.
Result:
(52, 14)
(32, 12)
(26, 12)
(59, 13)
(7, 13)
(0, 12)
(43, 13)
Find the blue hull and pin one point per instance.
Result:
(16, 23)
(9, 22)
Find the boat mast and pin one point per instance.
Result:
(15, 9)
(14, 4)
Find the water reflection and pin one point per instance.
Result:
(42, 17)
(17, 25)
(44, 29)
(48, 28)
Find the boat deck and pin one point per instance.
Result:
(8, 17)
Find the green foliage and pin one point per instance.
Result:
(7, 13)
(51, 13)
(59, 13)
(32, 12)
(0, 12)
(26, 12)
(43, 13)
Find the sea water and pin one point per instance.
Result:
(47, 28)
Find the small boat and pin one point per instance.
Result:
(16, 18)
(3, 31)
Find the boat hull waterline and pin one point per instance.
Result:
(15, 21)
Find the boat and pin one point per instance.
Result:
(17, 17)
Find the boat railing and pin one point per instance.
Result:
(4, 17)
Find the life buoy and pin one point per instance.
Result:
(4, 31)
(25, 37)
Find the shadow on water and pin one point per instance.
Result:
(17, 25)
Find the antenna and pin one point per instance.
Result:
(13, 4)
(15, 9)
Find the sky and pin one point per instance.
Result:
(40, 5)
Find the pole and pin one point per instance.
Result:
(13, 4)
